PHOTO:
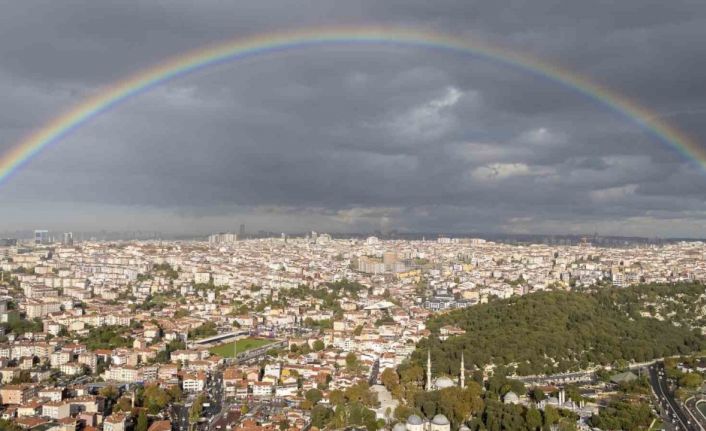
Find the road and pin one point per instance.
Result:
(672, 413)
(695, 412)
(179, 414)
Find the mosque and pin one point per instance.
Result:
(438, 422)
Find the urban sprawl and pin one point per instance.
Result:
(295, 333)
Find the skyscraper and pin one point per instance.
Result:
(68, 238)
(222, 238)
(41, 236)
(242, 230)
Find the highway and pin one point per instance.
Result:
(673, 413)
(695, 413)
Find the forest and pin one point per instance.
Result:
(558, 331)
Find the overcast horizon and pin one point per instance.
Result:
(357, 138)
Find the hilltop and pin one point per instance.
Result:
(558, 331)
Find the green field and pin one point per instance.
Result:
(245, 344)
(702, 407)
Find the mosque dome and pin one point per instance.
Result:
(443, 382)
(440, 420)
(511, 398)
(399, 426)
(414, 420)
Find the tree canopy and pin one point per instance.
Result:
(550, 332)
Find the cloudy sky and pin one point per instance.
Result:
(357, 138)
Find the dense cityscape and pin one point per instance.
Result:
(315, 332)
(353, 215)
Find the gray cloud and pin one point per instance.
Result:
(358, 137)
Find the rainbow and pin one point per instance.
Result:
(62, 126)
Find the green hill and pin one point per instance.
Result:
(550, 332)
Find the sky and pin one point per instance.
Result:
(357, 138)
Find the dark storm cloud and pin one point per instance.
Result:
(366, 137)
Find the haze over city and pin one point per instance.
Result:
(358, 137)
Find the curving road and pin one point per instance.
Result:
(694, 411)
(674, 414)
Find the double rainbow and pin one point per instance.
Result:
(63, 125)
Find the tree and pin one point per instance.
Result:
(142, 423)
(319, 345)
(551, 416)
(313, 395)
(174, 393)
(389, 378)
(124, 404)
(547, 332)
(361, 393)
(403, 412)
(336, 397)
(196, 409)
(537, 395)
(351, 361)
(320, 415)
(533, 418)
(23, 377)
(109, 392)
(155, 398)
(412, 374)
(690, 380)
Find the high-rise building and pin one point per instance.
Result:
(242, 230)
(389, 258)
(222, 238)
(68, 238)
(41, 236)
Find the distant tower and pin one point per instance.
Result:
(242, 231)
(463, 373)
(428, 370)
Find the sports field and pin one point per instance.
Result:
(245, 344)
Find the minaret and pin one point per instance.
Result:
(463, 373)
(428, 370)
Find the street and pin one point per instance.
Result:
(673, 415)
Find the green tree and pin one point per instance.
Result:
(336, 397)
(196, 409)
(533, 418)
(390, 379)
(551, 416)
(109, 392)
(313, 395)
(320, 416)
(537, 395)
(319, 345)
(351, 361)
(690, 380)
(142, 422)
(155, 398)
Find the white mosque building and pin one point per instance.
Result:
(438, 422)
(444, 382)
